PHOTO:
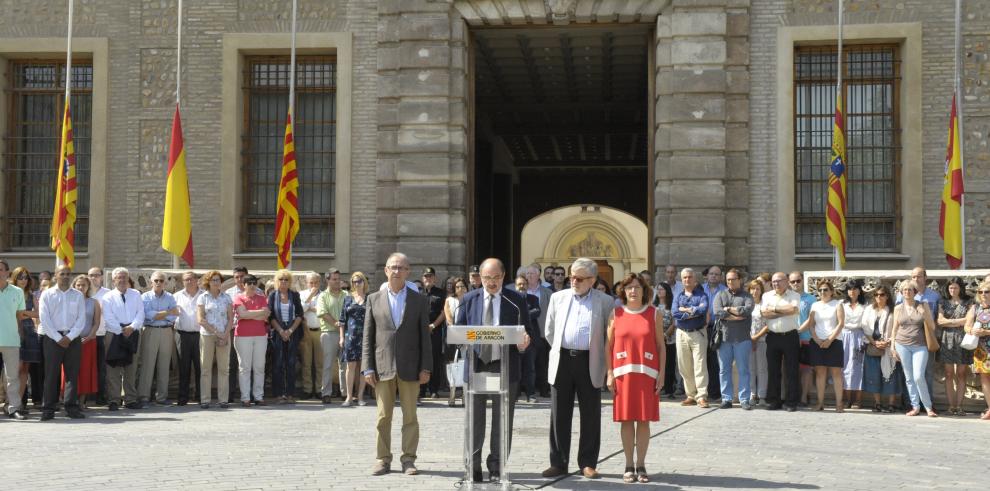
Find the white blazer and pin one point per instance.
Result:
(602, 310)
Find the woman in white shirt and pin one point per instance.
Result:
(450, 314)
(825, 353)
(853, 344)
(215, 314)
(758, 333)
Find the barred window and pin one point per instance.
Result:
(36, 94)
(871, 84)
(266, 99)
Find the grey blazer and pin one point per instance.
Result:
(391, 351)
(602, 310)
(544, 303)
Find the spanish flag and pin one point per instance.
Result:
(950, 214)
(177, 224)
(835, 211)
(287, 214)
(64, 217)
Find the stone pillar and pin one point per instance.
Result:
(701, 134)
(422, 127)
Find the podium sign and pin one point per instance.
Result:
(486, 383)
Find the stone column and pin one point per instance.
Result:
(422, 127)
(701, 135)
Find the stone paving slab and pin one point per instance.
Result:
(309, 446)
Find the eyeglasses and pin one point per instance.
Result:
(824, 290)
(158, 281)
(794, 281)
(219, 280)
(882, 295)
(95, 275)
(396, 268)
(558, 274)
(491, 278)
(250, 283)
(22, 277)
(983, 292)
(580, 279)
(357, 282)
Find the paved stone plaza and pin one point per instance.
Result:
(307, 446)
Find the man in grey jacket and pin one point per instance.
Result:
(733, 311)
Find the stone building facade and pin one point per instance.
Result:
(718, 105)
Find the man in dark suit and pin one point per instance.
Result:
(495, 305)
(436, 297)
(396, 356)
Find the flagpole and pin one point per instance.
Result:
(292, 95)
(836, 263)
(957, 88)
(68, 89)
(178, 87)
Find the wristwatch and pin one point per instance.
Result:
(432, 326)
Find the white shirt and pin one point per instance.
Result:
(825, 317)
(396, 305)
(577, 328)
(123, 308)
(62, 313)
(187, 310)
(98, 296)
(785, 323)
(309, 302)
(853, 319)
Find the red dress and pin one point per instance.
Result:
(635, 365)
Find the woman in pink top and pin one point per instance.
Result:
(251, 340)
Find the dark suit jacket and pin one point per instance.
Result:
(408, 345)
(297, 311)
(472, 313)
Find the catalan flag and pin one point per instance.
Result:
(177, 224)
(64, 217)
(950, 213)
(835, 210)
(287, 214)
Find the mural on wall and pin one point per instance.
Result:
(590, 245)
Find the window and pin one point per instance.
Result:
(871, 84)
(37, 94)
(266, 98)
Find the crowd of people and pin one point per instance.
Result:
(70, 342)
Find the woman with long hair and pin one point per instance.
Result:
(663, 299)
(352, 317)
(952, 318)
(88, 381)
(450, 307)
(978, 324)
(853, 347)
(881, 375)
(758, 370)
(32, 363)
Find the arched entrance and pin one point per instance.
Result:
(614, 238)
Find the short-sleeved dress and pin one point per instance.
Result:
(635, 365)
(30, 351)
(949, 351)
(352, 315)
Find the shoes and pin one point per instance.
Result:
(134, 405)
(164, 402)
(704, 404)
(434, 395)
(629, 476)
(476, 476)
(641, 475)
(380, 468)
(47, 416)
(224, 405)
(18, 415)
(347, 403)
(204, 405)
(181, 403)
(590, 473)
(747, 406)
(327, 400)
(688, 402)
(773, 407)
(75, 414)
(553, 472)
(725, 405)
(260, 402)
(113, 406)
(362, 402)
(888, 409)
(494, 477)
(245, 403)
(791, 409)
(409, 468)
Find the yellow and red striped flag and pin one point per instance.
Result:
(835, 210)
(177, 224)
(950, 213)
(287, 214)
(64, 217)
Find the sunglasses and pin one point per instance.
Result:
(357, 282)
(22, 277)
(983, 292)
(883, 295)
(251, 283)
(824, 290)
(158, 281)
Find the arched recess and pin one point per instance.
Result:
(599, 232)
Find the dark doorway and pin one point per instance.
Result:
(561, 118)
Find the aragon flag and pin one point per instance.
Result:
(64, 216)
(835, 210)
(950, 213)
(287, 214)
(177, 224)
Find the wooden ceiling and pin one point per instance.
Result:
(565, 97)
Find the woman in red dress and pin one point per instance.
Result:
(635, 371)
(88, 381)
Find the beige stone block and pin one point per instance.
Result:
(661, 195)
(697, 194)
(386, 195)
(661, 137)
(689, 51)
(737, 252)
(386, 223)
(388, 114)
(421, 254)
(697, 137)
(422, 167)
(424, 82)
(387, 141)
(388, 85)
(422, 224)
(736, 138)
(737, 165)
(661, 167)
(413, 196)
(737, 51)
(663, 54)
(737, 217)
(698, 80)
(737, 110)
(736, 193)
(691, 223)
(664, 82)
(388, 57)
(424, 26)
(691, 23)
(419, 55)
(696, 252)
(737, 24)
(661, 223)
(737, 82)
(691, 108)
(710, 167)
(423, 138)
(386, 169)
(424, 111)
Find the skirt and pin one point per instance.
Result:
(831, 357)
(949, 352)
(853, 351)
(88, 381)
(874, 382)
(352, 345)
(636, 398)
(30, 344)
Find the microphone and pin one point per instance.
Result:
(518, 310)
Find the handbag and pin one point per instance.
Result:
(969, 342)
(455, 370)
(870, 349)
(717, 336)
(930, 340)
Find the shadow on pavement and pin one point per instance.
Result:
(661, 481)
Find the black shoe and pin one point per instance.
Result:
(790, 409)
(725, 405)
(327, 400)
(477, 477)
(774, 407)
(494, 477)
(18, 415)
(181, 403)
(113, 406)
(75, 414)
(134, 405)
(224, 405)
(47, 416)
(102, 401)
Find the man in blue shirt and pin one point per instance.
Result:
(796, 282)
(690, 312)
(713, 285)
(160, 314)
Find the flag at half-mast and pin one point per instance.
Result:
(177, 224)
(287, 213)
(835, 209)
(950, 213)
(66, 194)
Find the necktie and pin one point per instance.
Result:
(489, 319)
